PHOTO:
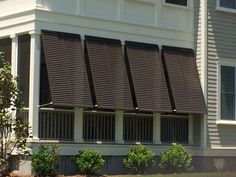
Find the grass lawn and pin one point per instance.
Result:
(219, 174)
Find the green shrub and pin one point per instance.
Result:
(89, 162)
(139, 158)
(46, 161)
(176, 159)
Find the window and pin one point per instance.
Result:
(228, 4)
(178, 2)
(227, 93)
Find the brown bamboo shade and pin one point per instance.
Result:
(184, 80)
(66, 69)
(147, 76)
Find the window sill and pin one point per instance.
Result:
(176, 6)
(226, 122)
(225, 9)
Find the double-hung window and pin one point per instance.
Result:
(227, 93)
(228, 4)
(177, 2)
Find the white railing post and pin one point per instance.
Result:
(78, 125)
(34, 83)
(14, 54)
(119, 127)
(204, 131)
(157, 128)
(190, 135)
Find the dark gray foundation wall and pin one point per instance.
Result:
(114, 165)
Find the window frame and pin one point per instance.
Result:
(230, 63)
(224, 9)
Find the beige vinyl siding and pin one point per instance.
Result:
(221, 44)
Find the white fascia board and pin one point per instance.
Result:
(17, 23)
(108, 28)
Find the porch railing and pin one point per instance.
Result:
(138, 127)
(175, 129)
(99, 126)
(24, 114)
(56, 124)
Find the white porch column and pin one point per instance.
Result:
(14, 55)
(78, 125)
(204, 75)
(204, 131)
(119, 127)
(157, 128)
(190, 128)
(34, 83)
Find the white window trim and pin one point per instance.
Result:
(226, 122)
(224, 9)
(225, 62)
(188, 7)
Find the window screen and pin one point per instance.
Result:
(5, 47)
(24, 67)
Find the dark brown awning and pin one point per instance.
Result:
(5, 46)
(66, 69)
(147, 77)
(183, 80)
(108, 73)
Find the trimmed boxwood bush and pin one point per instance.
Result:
(176, 159)
(89, 162)
(46, 161)
(139, 158)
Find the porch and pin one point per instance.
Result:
(107, 127)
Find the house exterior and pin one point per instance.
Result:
(109, 74)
